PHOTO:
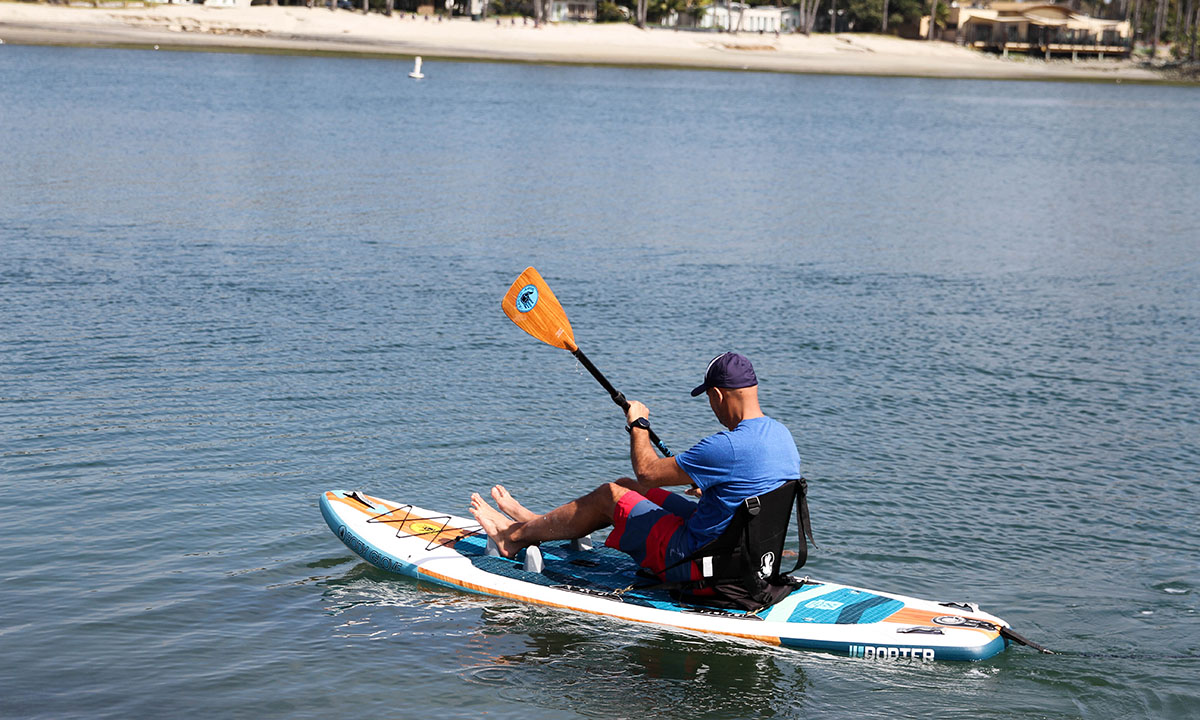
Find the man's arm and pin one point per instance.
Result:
(650, 469)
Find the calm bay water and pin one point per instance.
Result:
(232, 282)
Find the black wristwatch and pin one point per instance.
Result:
(641, 422)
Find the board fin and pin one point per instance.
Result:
(533, 559)
(358, 495)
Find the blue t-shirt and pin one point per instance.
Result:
(753, 458)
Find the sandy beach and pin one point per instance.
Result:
(319, 30)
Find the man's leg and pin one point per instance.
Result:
(509, 505)
(643, 528)
(672, 503)
(515, 510)
(575, 519)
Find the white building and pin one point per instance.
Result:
(573, 11)
(740, 17)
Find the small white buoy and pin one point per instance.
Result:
(155, 47)
(416, 73)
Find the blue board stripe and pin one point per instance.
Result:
(845, 606)
(868, 611)
(508, 568)
(885, 651)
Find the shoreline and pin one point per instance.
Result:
(319, 31)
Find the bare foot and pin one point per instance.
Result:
(509, 505)
(497, 525)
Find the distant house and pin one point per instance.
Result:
(573, 11)
(1031, 27)
(739, 17)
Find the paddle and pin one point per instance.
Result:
(530, 303)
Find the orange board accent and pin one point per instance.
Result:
(913, 616)
(769, 639)
(545, 320)
(415, 525)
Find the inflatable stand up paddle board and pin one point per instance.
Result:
(840, 619)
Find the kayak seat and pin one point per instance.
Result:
(740, 568)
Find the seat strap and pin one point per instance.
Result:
(803, 526)
(753, 506)
(697, 555)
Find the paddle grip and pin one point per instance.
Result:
(618, 397)
(662, 447)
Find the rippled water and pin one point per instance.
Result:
(232, 282)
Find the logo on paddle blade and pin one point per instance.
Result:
(527, 298)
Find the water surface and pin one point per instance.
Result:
(231, 282)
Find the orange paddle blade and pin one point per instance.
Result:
(531, 304)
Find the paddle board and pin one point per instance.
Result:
(825, 616)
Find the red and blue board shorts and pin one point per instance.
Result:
(643, 526)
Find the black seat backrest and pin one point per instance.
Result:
(754, 539)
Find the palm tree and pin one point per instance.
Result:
(1195, 29)
(808, 14)
(1160, 16)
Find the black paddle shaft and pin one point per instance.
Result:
(617, 396)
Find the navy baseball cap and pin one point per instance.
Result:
(727, 370)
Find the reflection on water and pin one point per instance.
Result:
(603, 668)
(566, 661)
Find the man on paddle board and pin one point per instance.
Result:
(654, 526)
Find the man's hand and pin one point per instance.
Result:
(649, 468)
(636, 410)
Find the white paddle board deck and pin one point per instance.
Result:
(825, 616)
